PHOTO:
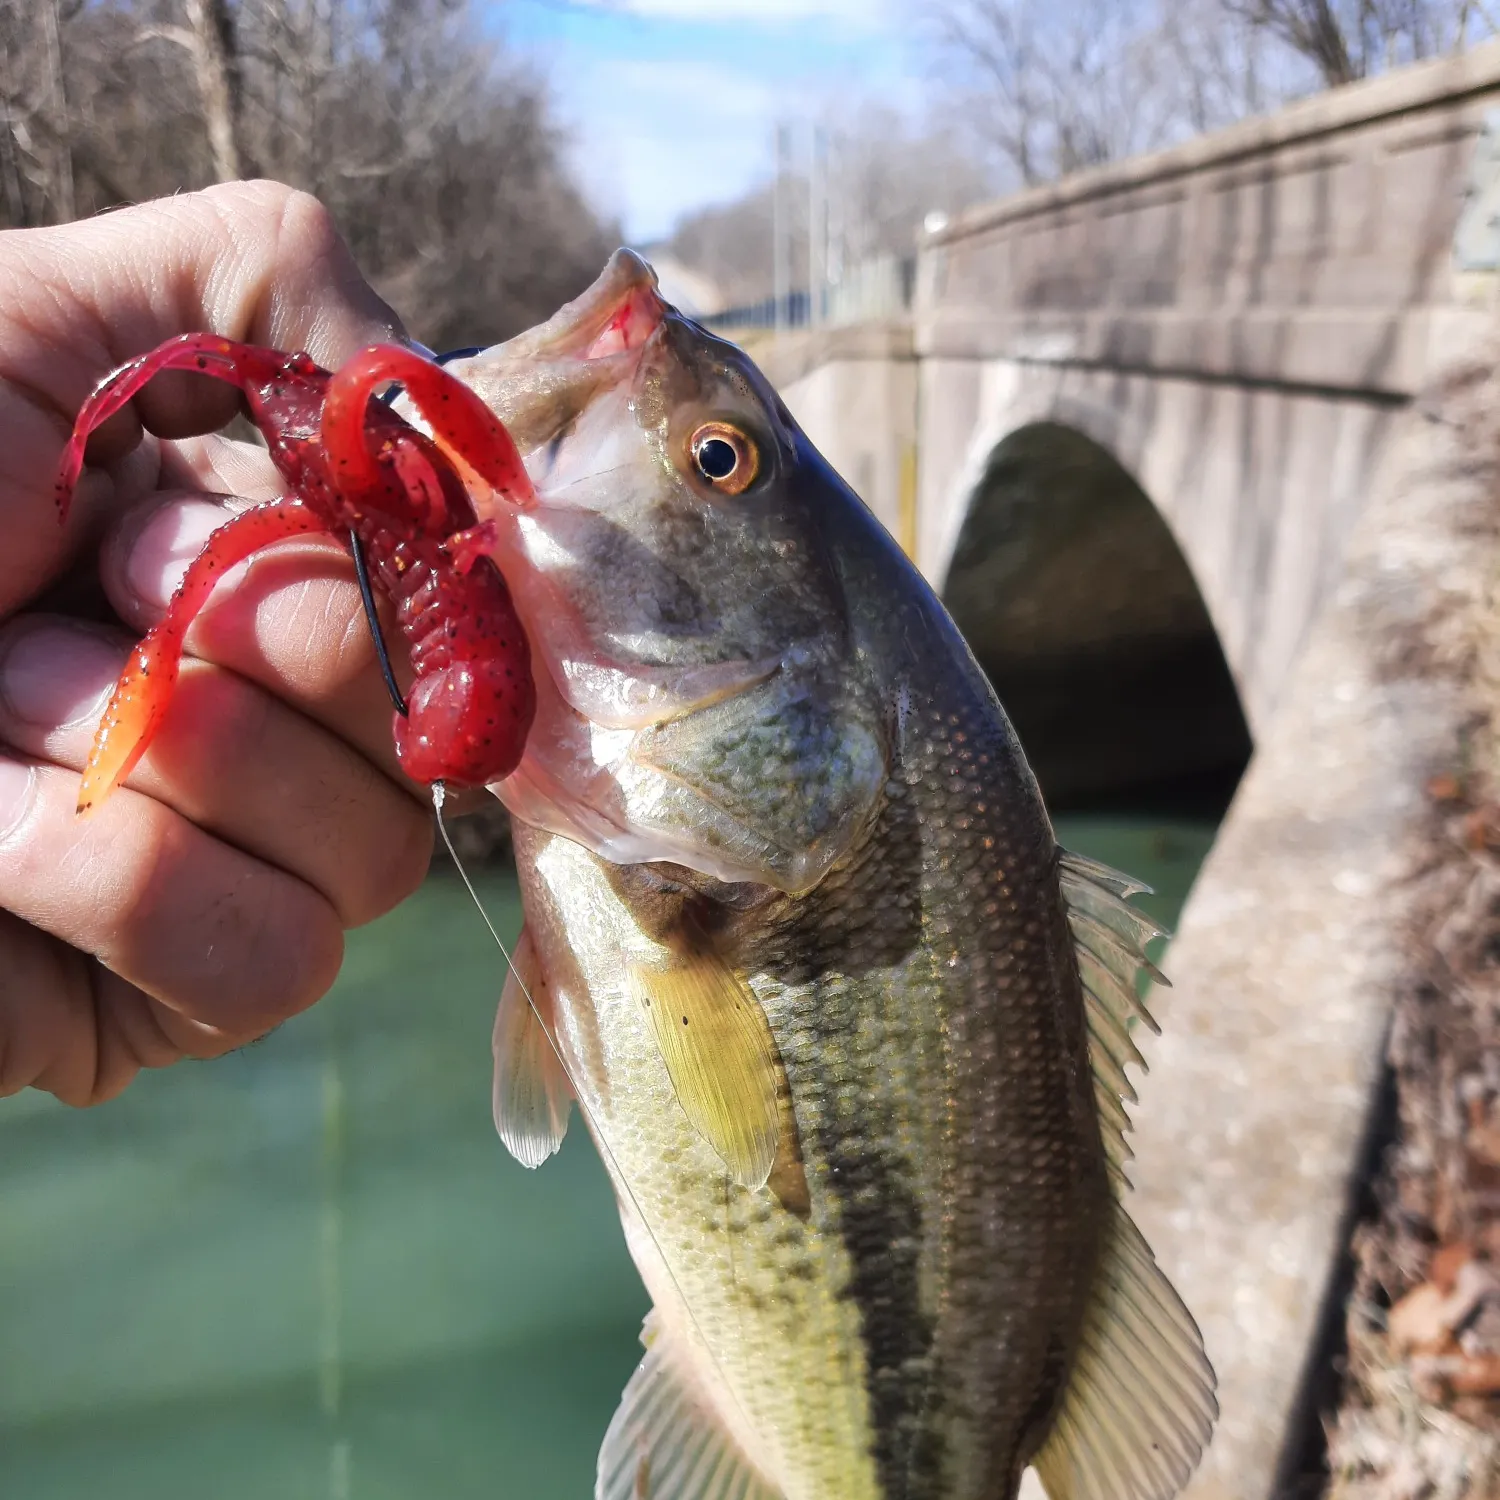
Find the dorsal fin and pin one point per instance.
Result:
(665, 1443)
(1109, 938)
(532, 1095)
(1139, 1407)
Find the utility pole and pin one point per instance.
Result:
(781, 237)
(834, 212)
(817, 227)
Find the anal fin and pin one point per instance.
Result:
(1140, 1407)
(532, 1095)
(665, 1443)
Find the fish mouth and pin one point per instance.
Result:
(540, 382)
(616, 315)
(546, 385)
(566, 390)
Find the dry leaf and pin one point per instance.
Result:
(1475, 1375)
(1449, 1260)
(1481, 828)
(1418, 1323)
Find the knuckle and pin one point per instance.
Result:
(214, 716)
(131, 890)
(407, 856)
(313, 959)
(260, 198)
(306, 223)
(390, 839)
(267, 946)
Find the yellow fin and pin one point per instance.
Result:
(719, 1053)
(665, 1443)
(532, 1095)
(1139, 1407)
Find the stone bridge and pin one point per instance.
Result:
(1147, 433)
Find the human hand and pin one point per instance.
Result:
(206, 900)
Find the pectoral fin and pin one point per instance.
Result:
(532, 1095)
(665, 1443)
(719, 1053)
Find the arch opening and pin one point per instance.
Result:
(1081, 608)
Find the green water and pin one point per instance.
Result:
(309, 1271)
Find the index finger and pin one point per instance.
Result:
(252, 261)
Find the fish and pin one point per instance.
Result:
(848, 1028)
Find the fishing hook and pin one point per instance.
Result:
(362, 573)
(361, 568)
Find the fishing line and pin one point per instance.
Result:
(439, 800)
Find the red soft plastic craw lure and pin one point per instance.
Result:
(413, 506)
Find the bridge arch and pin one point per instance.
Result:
(1084, 612)
(1259, 486)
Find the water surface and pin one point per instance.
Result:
(309, 1271)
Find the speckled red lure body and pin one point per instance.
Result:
(416, 504)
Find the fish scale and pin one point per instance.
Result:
(681, 1188)
(923, 1218)
(981, 1171)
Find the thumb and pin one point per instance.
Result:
(255, 261)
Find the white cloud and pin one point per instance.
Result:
(677, 108)
(659, 140)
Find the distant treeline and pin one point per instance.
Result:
(437, 153)
(1026, 91)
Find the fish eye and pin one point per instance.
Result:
(725, 457)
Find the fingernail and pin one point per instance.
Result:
(17, 791)
(55, 676)
(167, 545)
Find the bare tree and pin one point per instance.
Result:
(884, 174)
(208, 36)
(1350, 39)
(36, 156)
(436, 152)
(1056, 86)
(1221, 68)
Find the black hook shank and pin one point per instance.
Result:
(362, 571)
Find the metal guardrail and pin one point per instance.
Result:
(874, 290)
(795, 312)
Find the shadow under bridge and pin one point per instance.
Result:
(1079, 604)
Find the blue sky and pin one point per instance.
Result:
(673, 103)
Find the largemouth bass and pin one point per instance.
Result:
(848, 1028)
